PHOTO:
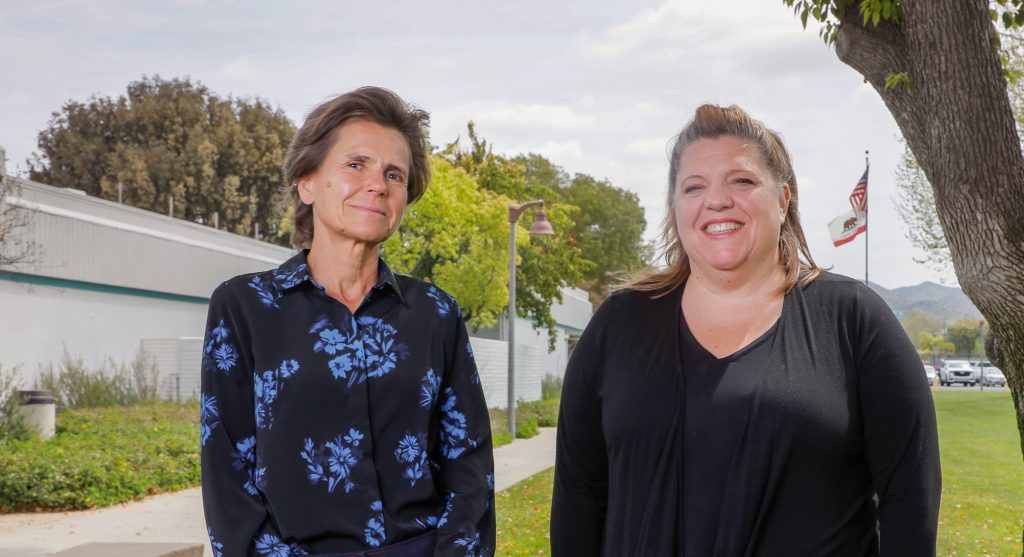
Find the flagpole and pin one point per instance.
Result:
(867, 229)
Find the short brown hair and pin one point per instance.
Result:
(315, 138)
(711, 122)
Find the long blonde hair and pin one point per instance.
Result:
(711, 122)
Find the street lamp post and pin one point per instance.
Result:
(541, 227)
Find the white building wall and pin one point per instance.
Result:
(37, 323)
(491, 358)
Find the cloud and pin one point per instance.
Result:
(535, 116)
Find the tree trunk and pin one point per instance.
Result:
(957, 120)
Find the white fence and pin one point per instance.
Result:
(178, 361)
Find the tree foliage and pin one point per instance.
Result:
(964, 334)
(919, 323)
(545, 265)
(456, 236)
(598, 227)
(172, 139)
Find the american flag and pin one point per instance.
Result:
(859, 197)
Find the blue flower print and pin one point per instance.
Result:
(216, 546)
(380, 351)
(368, 350)
(430, 388)
(412, 451)
(333, 461)
(354, 437)
(270, 545)
(289, 277)
(208, 418)
(374, 533)
(432, 521)
(454, 435)
(441, 299)
(246, 459)
(331, 341)
(341, 366)
(490, 482)
(226, 357)
(267, 386)
(265, 291)
(471, 542)
(219, 353)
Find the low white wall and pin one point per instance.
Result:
(38, 322)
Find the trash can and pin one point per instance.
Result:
(39, 410)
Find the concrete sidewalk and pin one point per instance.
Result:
(178, 517)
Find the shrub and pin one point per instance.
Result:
(12, 424)
(551, 387)
(529, 417)
(544, 412)
(76, 386)
(102, 456)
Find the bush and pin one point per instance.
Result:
(551, 387)
(102, 456)
(544, 412)
(529, 417)
(12, 424)
(76, 386)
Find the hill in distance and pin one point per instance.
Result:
(945, 303)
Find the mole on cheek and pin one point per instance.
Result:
(328, 184)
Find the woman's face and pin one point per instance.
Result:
(728, 209)
(360, 190)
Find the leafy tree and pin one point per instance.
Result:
(456, 236)
(545, 264)
(609, 230)
(919, 323)
(931, 344)
(172, 140)
(964, 334)
(937, 66)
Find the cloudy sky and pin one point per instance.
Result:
(596, 86)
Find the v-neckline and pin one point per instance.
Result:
(746, 348)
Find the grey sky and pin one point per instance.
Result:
(598, 87)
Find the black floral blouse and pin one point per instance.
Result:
(326, 432)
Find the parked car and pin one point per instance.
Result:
(930, 373)
(992, 376)
(958, 371)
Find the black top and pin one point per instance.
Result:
(718, 394)
(841, 412)
(327, 432)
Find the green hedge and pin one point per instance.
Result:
(102, 456)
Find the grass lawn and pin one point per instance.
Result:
(982, 475)
(523, 511)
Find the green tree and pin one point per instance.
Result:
(545, 264)
(964, 334)
(937, 66)
(608, 230)
(918, 323)
(174, 140)
(456, 236)
(931, 344)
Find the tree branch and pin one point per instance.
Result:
(876, 53)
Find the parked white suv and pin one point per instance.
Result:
(958, 371)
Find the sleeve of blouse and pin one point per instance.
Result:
(900, 434)
(231, 471)
(580, 498)
(463, 454)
